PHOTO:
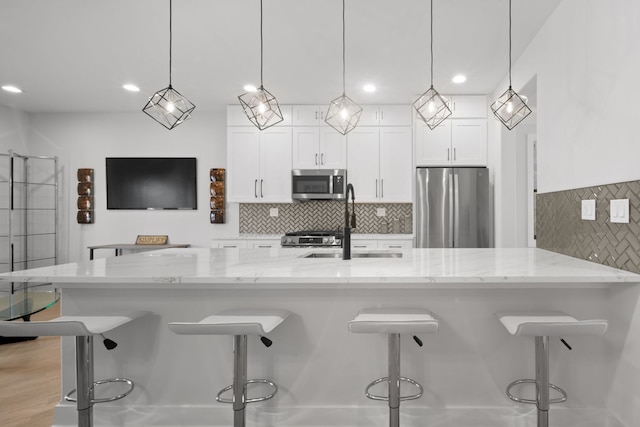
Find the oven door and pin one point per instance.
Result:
(318, 184)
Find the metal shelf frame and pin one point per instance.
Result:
(19, 209)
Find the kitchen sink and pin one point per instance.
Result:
(354, 255)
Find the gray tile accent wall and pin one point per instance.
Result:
(322, 215)
(559, 227)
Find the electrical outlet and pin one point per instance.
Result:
(381, 211)
(619, 211)
(273, 212)
(589, 210)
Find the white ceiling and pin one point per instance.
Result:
(75, 55)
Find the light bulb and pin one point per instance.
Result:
(509, 107)
(344, 114)
(431, 107)
(262, 108)
(170, 107)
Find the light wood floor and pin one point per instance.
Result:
(30, 379)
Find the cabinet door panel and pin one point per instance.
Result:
(275, 165)
(433, 147)
(243, 160)
(306, 115)
(469, 142)
(333, 149)
(363, 163)
(370, 116)
(396, 166)
(469, 107)
(305, 148)
(395, 115)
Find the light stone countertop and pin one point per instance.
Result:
(276, 268)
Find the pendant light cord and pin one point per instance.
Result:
(431, 43)
(509, 44)
(170, 40)
(261, 45)
(343, 50)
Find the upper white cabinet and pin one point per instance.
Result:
(460, 142)
(319, 148)
(237, 117)
(309, 115)
(379, 164)
(468, 106)
(259, 164)
(386, 115)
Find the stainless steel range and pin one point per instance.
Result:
(312, 239)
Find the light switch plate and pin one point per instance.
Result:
(273, 212)
(619, 211)
(589, 210)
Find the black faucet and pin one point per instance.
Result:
(346, 238)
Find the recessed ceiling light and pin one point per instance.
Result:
(459, 79)
(13, 89)
(131, 88)
(369, 88)
(250, 88)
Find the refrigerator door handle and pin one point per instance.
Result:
(456, 209)
(453, 206)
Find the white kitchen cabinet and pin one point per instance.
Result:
(259, 164)
(459, 142)
(386, 115)
(309, 115)
(237, 117)
(264, 243)
(319, 148)
(395, 244)
(228, 243)
(363, 243)
(359, 243)
(468, 106)
(379, 164)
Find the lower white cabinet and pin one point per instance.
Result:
(381, 243)
(264, 243)
(229, 243)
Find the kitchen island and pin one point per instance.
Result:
(320, 367)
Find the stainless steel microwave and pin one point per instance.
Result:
(318, 184)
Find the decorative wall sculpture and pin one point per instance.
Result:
(85, 196)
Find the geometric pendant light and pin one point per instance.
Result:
(260, 106)
(343, 113)
(510, 108)
(432, 107)
(167, 106)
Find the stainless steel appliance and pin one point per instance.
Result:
(318, 184)
(453, 209)
(312, 239)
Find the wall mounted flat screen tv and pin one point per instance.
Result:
(151, 183)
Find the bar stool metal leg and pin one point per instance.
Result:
(542, 380)
(84, 380)
(394, 380)
(239, 380)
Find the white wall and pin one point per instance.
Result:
(586, 62)
(14, 130)
(85, 140)
(587, 66)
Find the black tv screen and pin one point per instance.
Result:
(151, 183)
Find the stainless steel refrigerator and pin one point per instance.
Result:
(453, 208)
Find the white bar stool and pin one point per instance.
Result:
(393, 322)
(238, 323)
(542, 326)
(83, 328)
